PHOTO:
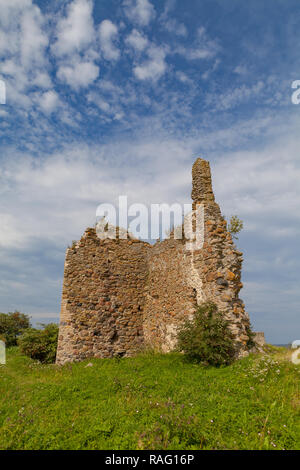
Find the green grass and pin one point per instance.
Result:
(150, 402)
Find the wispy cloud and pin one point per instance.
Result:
(139, 11)
(202, 47)
(75, 30)
(23, 50)
(137, 40)
(78, 73)
(49, 101)
(108, 33)
(74, 45)
(154, 67)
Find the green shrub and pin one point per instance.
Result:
(40, 344)
(12, 325)
(207, 338)
(235, 226)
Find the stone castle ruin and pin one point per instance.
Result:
(122, 294)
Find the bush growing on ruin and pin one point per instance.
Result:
(40, 344)
(235, 226)
(12, 325)
(207, 338)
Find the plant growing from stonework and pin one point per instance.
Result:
(207, 338)
(235, 226)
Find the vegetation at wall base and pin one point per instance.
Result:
(206, 338)
(152, 401)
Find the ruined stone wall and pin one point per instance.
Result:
(119, 295)
(170, 296)
(219, 263)
(103, 298)
(180, 278)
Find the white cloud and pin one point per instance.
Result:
(171, 24)
(154, 67)
(260, 185)
(108, 33)
(100, 102)
(137, 40)
(78, 74)
(139, 11)
(241, 70)
(23, 42)
(49, 101)
(175, 27)
(199, 53)
(75, 32)
(11, 235)
(262, 188)
(209, 71)
(42, 80)
(202, 48)
(182, 77)
(74, 46)
(33, 38)
(114, 100)
(236, 96)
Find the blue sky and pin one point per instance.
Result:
(118, 97)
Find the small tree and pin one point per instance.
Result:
(12, 325)
(235, 226)
(40, 344)
(207, 338)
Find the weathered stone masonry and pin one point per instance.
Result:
(119, 295)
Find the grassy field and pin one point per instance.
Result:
(150, 402)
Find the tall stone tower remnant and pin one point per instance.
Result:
(202, 186)
(120, 295)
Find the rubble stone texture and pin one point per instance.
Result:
(122, 295)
